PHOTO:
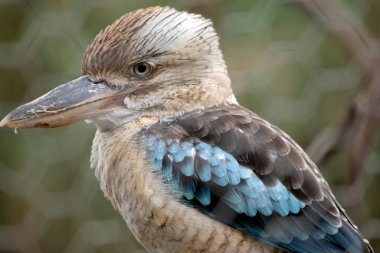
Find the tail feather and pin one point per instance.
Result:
(346, 240)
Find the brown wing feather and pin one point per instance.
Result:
(266, 149)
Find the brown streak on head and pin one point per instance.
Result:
(110, 48)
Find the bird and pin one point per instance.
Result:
(186, 166)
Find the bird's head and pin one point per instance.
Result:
(152, 62)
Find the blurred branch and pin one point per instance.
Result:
(363, 116)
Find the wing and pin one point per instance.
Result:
(237, 168)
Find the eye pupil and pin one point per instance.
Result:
(142, 69)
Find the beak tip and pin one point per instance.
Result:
(4, 121)
(7, 121)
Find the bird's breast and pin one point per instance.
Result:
(159, 221)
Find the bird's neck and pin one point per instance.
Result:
(124, 176)
(118, 118)
(128, 182)
(110, 146)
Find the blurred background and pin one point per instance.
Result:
(292, 64)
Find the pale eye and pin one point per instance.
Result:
(142, 68)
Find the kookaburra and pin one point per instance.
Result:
(187, 167)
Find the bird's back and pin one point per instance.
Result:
(235, 167)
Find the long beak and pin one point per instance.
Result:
(76, 100)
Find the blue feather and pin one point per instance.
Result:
(245, 173)
(298, 231)
(278, 233)
(179, 156)
(187, 166)
(203, 149)
(219, 171)
(319, 222)
(221, 181)
(167, 167)
(233, 177)
(218, 164)
(317, 233)
(203, 195)
(278, 192)
(257, 184)
(160, 149)
(151, 155)
(281, 207)
(232, 197)
(251, 208)
(157, 165)
(203, 169)
(266, 209)
(332, 220)
(188, 188)
(173, 148)
(248, 189)
(294, 204)
(232, 165)
(214, 161)
(150, 142)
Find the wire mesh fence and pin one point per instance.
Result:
(285, 64)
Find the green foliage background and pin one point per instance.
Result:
(283, 65)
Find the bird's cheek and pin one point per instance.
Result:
(141, 102)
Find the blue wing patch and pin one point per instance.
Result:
(213, 181)
(241, 188)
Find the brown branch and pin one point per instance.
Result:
(363, 117)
